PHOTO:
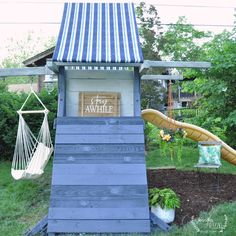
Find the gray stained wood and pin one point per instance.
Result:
(99, 226)
(99, 148)
(100, 158)
(99, 202)
(99, 138)
(99, 181)
(61, 93)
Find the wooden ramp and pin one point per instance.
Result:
(99, 177)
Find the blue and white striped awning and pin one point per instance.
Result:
(98, 32)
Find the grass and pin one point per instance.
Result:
(22, 203)
(189, 159)
(221, 220)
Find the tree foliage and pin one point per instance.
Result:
(182, 42)
(150, 30)
(20, 50)
(9, 104)
(216, 87)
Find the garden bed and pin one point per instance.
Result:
(194, 197)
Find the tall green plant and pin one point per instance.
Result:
(9, 104)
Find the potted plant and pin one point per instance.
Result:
(163, 203)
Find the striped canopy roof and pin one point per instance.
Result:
(98, 32)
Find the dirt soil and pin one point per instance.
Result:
(194, 197)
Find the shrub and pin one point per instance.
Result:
(9, 104)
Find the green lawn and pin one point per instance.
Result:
(220, 218)
(189, 159)
(23, 203)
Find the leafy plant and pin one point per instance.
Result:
(165, 198)
(171, 142)
(9, 104)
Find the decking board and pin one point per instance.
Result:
(99, 226)
(69, 213)
(98, 169)
(99, 179)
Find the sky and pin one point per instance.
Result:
(17, 17)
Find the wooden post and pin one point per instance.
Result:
(137, 93)
(40, 83)
(61, 92)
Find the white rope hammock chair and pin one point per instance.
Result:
(31, 154)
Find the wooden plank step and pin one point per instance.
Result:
(99, 129)
(98, 148)
(99, 191)
(100, 158)
(99, 138)
(64, 213)
(99, 179)
(99, 121)
(99, 202)
(98, 169)
(98, 226)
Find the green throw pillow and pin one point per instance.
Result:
(209, 154)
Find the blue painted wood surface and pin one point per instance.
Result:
(137, 92)
(99, 138)
(99, 179)
(99, 191)
(98, 226)
(99, 202)
(98, 148)
(61, 111)
(67, 213)
(100, 158)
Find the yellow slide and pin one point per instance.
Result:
(194, 132)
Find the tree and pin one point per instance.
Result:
(150, 30)
(20, 50)
(216, 87)
(182, 42)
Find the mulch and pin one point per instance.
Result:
(194, 197)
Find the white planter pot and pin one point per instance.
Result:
(167, 215)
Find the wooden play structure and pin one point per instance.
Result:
(99, 176)
(99, 182)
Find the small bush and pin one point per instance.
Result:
(9, 104)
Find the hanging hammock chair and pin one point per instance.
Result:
(31, 154)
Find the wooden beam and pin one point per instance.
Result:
(105, 64)
(39, 228)
(25, 71)
(52, 66)
(162, 77)
(61, 110)
(137, 92)
(174, 64)
(159, 223)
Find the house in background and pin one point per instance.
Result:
(184, 99)
(35, 61)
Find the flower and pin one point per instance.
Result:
(171, 142)
(166, 137)
(162, 133)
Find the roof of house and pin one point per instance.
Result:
(39, 59)
(98, 32)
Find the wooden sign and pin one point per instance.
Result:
(99, 104)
